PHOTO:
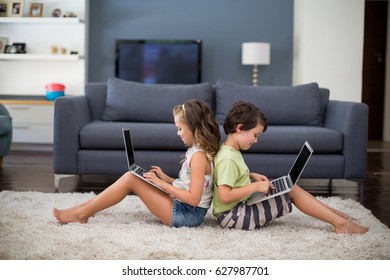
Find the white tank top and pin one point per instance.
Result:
(183, 182)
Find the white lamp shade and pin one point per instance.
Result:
(256, 53)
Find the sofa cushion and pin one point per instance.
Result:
(282, 105)
(137, 102)
(323, 140)
(102, 135)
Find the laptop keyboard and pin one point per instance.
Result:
(139, 170)
(279, 185)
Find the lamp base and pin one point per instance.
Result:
(255, 75)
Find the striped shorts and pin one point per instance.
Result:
(248, 217)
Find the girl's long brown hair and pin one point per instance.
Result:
(199, 118)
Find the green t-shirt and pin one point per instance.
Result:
(230, 169)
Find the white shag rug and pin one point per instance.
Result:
(127, 231)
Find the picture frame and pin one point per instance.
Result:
(3, 9)
(36, 9)
(20, 47)
(10, 49)
(3, 43)
(57, 13)
(15, 9)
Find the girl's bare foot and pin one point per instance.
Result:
(343, 215)
(350, 227)
(80, 205)
(69, 216)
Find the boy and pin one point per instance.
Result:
(234, 184)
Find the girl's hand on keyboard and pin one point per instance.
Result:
(158, 171)
(152, 177)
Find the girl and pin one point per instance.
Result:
(233, 183)
(189, 196)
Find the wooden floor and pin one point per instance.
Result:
(32, 171)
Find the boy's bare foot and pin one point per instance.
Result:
(350, 227)
(68, 216)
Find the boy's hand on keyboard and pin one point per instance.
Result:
(265, 186)
(258, 177)
(271, 188)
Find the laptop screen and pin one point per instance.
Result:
(129, 147)
(300, 162)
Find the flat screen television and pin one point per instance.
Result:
(159, 61)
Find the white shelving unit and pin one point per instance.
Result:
(41, 20)
(27, 74)
(40, 57)
(32, 120)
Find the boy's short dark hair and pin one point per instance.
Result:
(244, 113)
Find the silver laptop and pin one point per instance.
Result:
(133, 167)
(284, 184)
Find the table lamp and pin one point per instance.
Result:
(254, 53)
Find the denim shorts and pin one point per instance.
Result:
(184, 215)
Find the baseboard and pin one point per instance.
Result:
(31, 147)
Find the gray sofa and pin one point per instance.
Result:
(88, 137)
(5, 132)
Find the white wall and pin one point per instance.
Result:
(328, 46)
(328, 49)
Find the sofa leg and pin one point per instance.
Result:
(361, 190)
(330, 186)
(58, 177)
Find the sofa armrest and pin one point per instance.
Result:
(71, 113)
(3, 110)
(351, 119)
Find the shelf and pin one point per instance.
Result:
(26, 102)
(62, 57)
(70, 20)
